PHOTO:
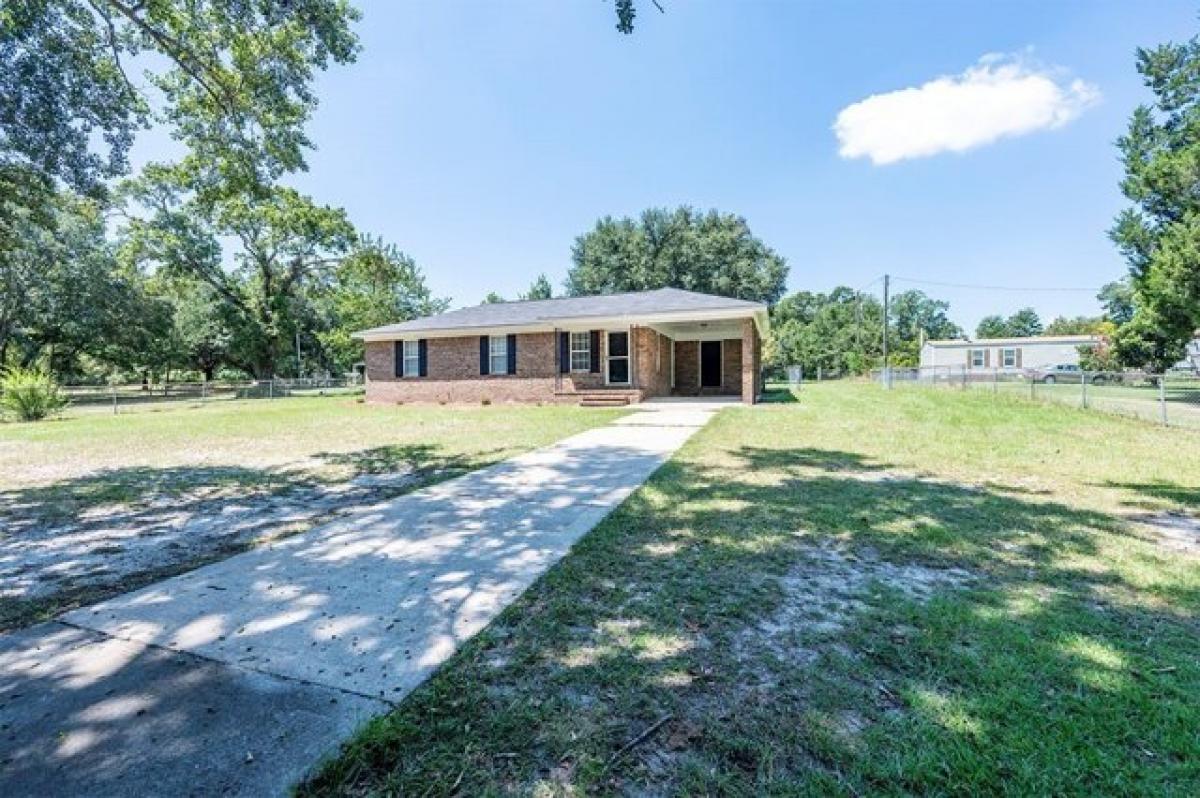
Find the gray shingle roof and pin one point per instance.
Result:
(549, 311)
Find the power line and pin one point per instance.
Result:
(995, 287)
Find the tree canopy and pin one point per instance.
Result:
(539, 289)
(1159, 235)
(1025, 323)
(842, 331)
(710, 252)
(69, 108)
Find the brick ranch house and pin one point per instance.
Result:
(592, 350)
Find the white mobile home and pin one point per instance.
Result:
(1006, 354)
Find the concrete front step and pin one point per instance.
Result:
(608, 398)
(614, 402)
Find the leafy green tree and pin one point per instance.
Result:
(203, 329)
(993, 326)
(540, 289)
(836, 332)
(492, 298)
(1117, 300)
(1022, 324)
(1080, 325)
(65, 90)
(64, 294)
(376, 284)
(1160, 234)
(284, 247)
(709, 252)
(627, 13)
(915, 316)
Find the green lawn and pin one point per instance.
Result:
(329, 437)
(90, 491)
(860, 592)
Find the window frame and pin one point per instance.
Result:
(501, 353)
(982, 357)
(573, 350)
(1005, 358)
(415, 357)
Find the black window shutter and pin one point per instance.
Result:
(564, 353)
(423, 358)
(595, 351)
(483, 354)
(398, 357)
(512, 354)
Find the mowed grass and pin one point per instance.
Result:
(83, 472)
(326, 436)
(1047, 644)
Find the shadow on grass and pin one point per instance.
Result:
(779, 395)
(83, 539)
(1053, 671)
(1157, 491)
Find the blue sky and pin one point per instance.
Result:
(483, 137)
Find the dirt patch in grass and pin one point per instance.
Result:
(830, 585)
(52, 558)
(1174, 531)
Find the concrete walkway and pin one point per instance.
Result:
(236, 678)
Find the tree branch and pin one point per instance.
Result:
(171, 48)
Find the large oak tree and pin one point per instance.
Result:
(711, 252)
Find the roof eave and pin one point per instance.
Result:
(756, 312)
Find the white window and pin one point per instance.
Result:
(581, 351)
(412, 359)
(498, 354)
(977, 357)
(1008, 358)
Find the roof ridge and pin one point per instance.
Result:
(586, 296)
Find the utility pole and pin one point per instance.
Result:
(887, 372)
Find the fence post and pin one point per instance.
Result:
(964, 382)
(1162, 397)
(1032, 383)
(203, 389)
(1083, 386)
(113, 387)
(995, 381)
(271, 389)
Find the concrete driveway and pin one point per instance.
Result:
(236, 678)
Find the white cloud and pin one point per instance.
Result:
(997, 97)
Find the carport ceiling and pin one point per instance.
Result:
(702, 330)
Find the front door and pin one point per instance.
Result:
(710, 364)
(618, 358)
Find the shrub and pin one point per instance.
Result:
(29, 394)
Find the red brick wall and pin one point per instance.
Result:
(731, 366)
(687, 368)
(752, 363)
(453, 366)
(652, 361)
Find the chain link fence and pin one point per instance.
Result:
(131, 397)
(1172, 398)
